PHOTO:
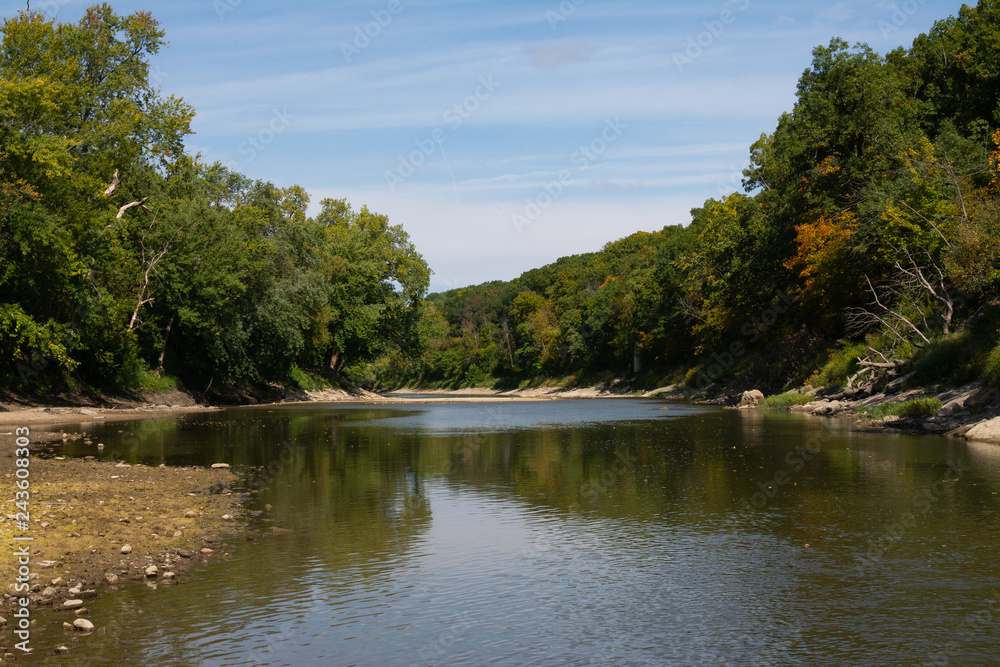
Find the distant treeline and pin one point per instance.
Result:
(867, 242)
(127, 264)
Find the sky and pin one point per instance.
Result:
(500, 135)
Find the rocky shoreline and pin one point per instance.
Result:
(96, 525)
(971, 411)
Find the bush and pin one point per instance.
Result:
(306, 381)
(475, 376)
(147, 381)
(991, 367)
(842, 364)
(912, 409)
(786, 400)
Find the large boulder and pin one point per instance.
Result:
(750, 399)
(986, 431)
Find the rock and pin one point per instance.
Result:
(74, 591)
(184, 553)
(220, 466)
(985, 431)
(169, 575)
(111, 578)
(86, 594)
(751, 399)
(58, 581)
(127, 549)
(49, 592)
(190, 514)
(82, 611)
(72, 604)
(61, 649)
(68, 626)
(46, 564)
(267, 507)
(83, 625)
(152, 571)
(207, 552)
(228, 517)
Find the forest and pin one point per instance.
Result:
(864, 246)
(129, 265)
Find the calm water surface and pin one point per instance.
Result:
(587, 532)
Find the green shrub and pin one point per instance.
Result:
(842, 364)
(786, 400)
(912, 409)
(991, 367)
(305, 381)
(147, 381)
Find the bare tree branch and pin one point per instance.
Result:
(114, 185)
(141, 202)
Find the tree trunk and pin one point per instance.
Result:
(163, 349)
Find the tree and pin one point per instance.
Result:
(375, 282)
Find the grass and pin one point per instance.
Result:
(912, 409)
(785, 400)
(150, 382)
(307, 381)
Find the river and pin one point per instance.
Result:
(578, 532)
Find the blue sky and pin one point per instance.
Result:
(501, 135)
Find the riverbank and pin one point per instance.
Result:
(95, 525)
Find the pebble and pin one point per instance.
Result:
(49, 592)
(83, 624)
(169, 575)
(82, 611)
(219, 466)
(183, 553)
(190, 514)
(127, 549)
(58, 581)
(206, 551)
(111, 578)
(62, 648)
(74, 591)
(152, 571)
(72, 604)
(228, 517)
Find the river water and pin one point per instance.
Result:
(580, 532)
